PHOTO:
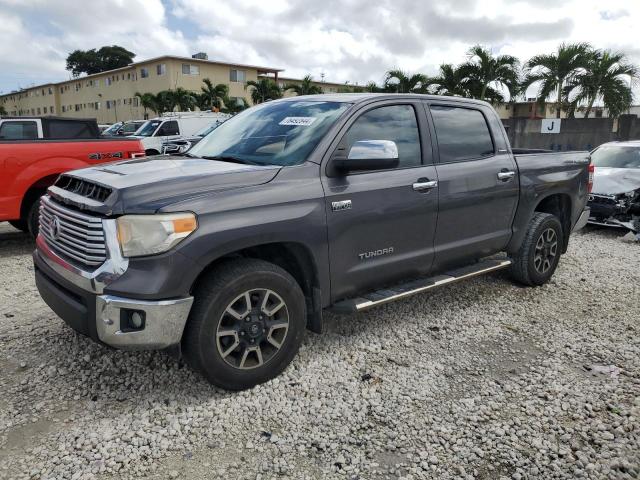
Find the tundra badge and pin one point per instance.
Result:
(341, 205)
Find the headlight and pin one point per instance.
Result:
(140, 235)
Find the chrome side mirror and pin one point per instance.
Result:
(368, 155)
(373, 150)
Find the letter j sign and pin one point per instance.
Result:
(550, 125)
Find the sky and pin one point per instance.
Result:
(348, 40)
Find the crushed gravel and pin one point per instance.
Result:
(482, 379)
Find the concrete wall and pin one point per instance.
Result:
(575, 133)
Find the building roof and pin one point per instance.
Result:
(142, 62)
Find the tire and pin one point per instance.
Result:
(20, 225)
(33, 218)
(151, 153)
(537, 259)
(221, 307)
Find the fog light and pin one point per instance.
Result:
(136, 320)
(132, 320)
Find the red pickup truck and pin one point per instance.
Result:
(28, 167)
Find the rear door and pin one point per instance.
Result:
(477, 183)
(381, 228)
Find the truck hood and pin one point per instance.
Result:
(613, 181)
(146, 185)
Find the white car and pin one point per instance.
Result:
(153, 133)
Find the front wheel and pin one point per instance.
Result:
(246, 324)
(538, 256)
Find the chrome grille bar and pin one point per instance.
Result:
(75, 235)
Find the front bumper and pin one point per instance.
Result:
(582, 220)
(79, 298)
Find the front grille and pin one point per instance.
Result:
(83, 188)
(74, 235)
(602, 199)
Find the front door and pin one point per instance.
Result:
(477, 184)
(381, 224)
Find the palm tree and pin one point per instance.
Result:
(212, 96)
(234, 106)
(264, 90)
(554, 71)
(605, 80)
(305, 87)
(486, 72)
(164, 102)
(147, 102)
(372, 87)
(183, 99)
(403, 82)
(450, 81)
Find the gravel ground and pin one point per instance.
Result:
(480, 380)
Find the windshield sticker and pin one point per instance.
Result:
(298, 121)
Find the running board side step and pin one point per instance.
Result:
(414, 287)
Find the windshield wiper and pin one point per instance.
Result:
(229, 158)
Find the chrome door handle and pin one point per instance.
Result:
(421, 186)
(506, 175)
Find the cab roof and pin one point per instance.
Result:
(364, 97)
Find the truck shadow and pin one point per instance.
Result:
(14, 242)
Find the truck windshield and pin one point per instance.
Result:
(616, 157)
(148, 128)
(278, 133)
(112, 129)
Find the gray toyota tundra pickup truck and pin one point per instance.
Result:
(292, 207)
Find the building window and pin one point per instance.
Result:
(161, 69)
(96, 83)
(144, 72)
(52, 110)
(188, 69)
(239, 76)
(108, 81)
(64, 109)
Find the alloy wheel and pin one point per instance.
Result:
(546, 251)
(252, 329)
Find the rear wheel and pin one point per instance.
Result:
(246, 324)
(538, 256)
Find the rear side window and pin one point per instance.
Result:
(396, 123)
(19, 130)
(60, 129)
(462, 133)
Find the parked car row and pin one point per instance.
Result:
(34, 151)
(170, 133)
